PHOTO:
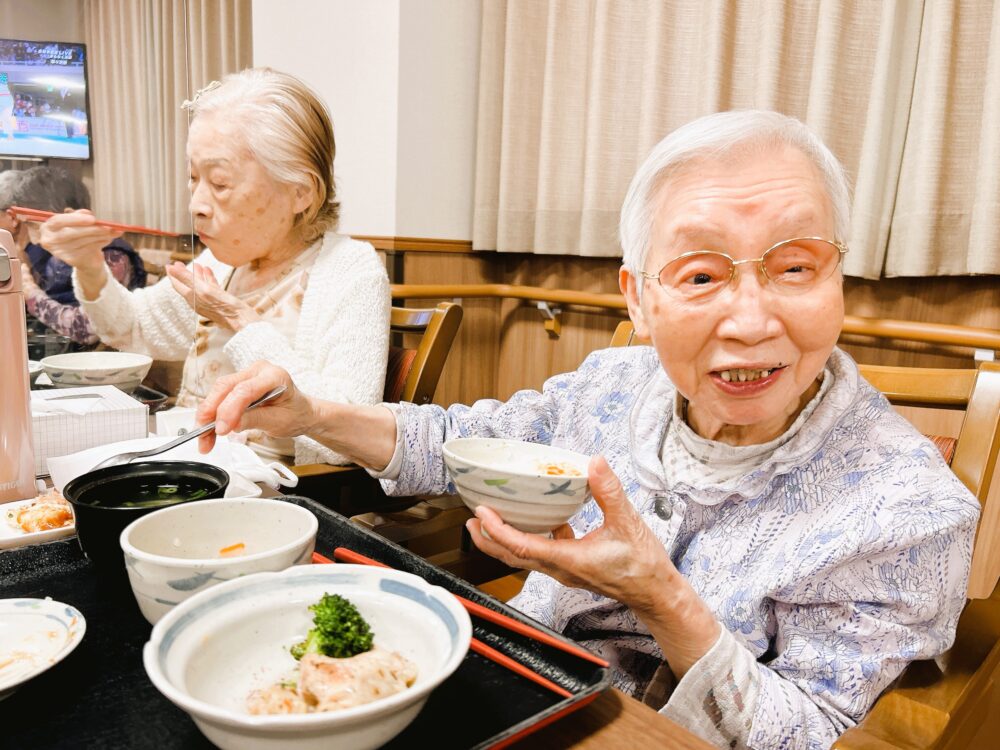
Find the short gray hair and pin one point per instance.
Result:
(45, 188)
(719, 136)
(288, 131)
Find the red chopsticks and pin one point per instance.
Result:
(34, 214)
(342, 553)
(475, 644)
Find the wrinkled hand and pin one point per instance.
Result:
(287, 415)
(622, 559)
(76, 239)
(199, 288)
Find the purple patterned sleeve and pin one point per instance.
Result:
(70, 320)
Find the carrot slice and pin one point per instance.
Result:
(232, 549)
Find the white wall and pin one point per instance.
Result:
(42, 20)
(400, 78)
(348, 52)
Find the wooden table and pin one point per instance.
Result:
(613, 721)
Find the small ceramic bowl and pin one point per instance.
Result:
(122, 369)
(34, 370)
(209, 652)
(172, 554)
(533, 487)
(107, 500)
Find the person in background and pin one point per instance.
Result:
(769, 543)
(276, 282)
(48, 288)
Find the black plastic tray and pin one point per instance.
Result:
(100, 696)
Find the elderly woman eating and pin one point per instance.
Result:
(770, 543)
(276, 282)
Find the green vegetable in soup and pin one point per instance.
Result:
(339, 630)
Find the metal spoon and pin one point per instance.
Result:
(124, 458)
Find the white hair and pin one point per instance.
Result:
(719, 136)
(287, 129)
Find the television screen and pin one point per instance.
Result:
(43, 100)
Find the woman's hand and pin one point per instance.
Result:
(75, 238)
(622, 560)
(199, 288)
(288, 415)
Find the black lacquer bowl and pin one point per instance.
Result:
(107, 500)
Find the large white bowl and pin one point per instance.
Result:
(511, 477)
(212, 650)
(122, 369)
(173, 553)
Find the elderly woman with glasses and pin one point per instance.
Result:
(770, 543)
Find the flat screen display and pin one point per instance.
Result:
(43, 100)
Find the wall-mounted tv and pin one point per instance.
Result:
(43, 100)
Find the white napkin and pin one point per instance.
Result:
(51, 402)
(243, 465)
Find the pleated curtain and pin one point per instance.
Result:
(574, 93)
(145, 58)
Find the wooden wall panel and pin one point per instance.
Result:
(472, 367)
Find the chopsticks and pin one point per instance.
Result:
(34, 214)
(475, 644)
(497, 618)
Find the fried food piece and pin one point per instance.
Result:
(277, 699)
(330, 684)
(48, 511)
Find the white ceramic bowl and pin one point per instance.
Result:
(34, 370)
(173, 553)
(123, 369)
(212, 650)
(513, 478)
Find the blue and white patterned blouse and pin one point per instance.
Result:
(839, 558)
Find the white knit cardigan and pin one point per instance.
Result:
(339, 351)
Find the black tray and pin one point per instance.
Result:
(100, 696)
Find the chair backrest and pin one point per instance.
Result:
(973, 455)
(413, 374)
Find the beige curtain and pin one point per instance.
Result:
(146, 57)
(947, 215)
(573, 94)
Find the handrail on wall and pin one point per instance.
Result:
(983, 340)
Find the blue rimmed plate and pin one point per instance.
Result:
(35, 634)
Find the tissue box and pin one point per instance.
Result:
(115, 416)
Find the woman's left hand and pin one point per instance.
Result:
(199, 288)
(622, 559)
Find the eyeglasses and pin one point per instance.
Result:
(791, 266)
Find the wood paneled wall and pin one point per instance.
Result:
(503, 346)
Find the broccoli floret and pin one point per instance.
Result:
(339, 630)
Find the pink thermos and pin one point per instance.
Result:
(17, 458)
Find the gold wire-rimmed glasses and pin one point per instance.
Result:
(790, 267)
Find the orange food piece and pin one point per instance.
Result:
(560, 470)
(233, 549)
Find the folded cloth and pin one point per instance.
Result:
(238, 460)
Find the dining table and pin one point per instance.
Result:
(613, 721)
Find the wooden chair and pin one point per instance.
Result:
(950, 702)
(412, 375)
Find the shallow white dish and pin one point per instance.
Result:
(11, 535)
(208, 653)
(173, 553)
(35, 634)
(124, 370)
(512, 477)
